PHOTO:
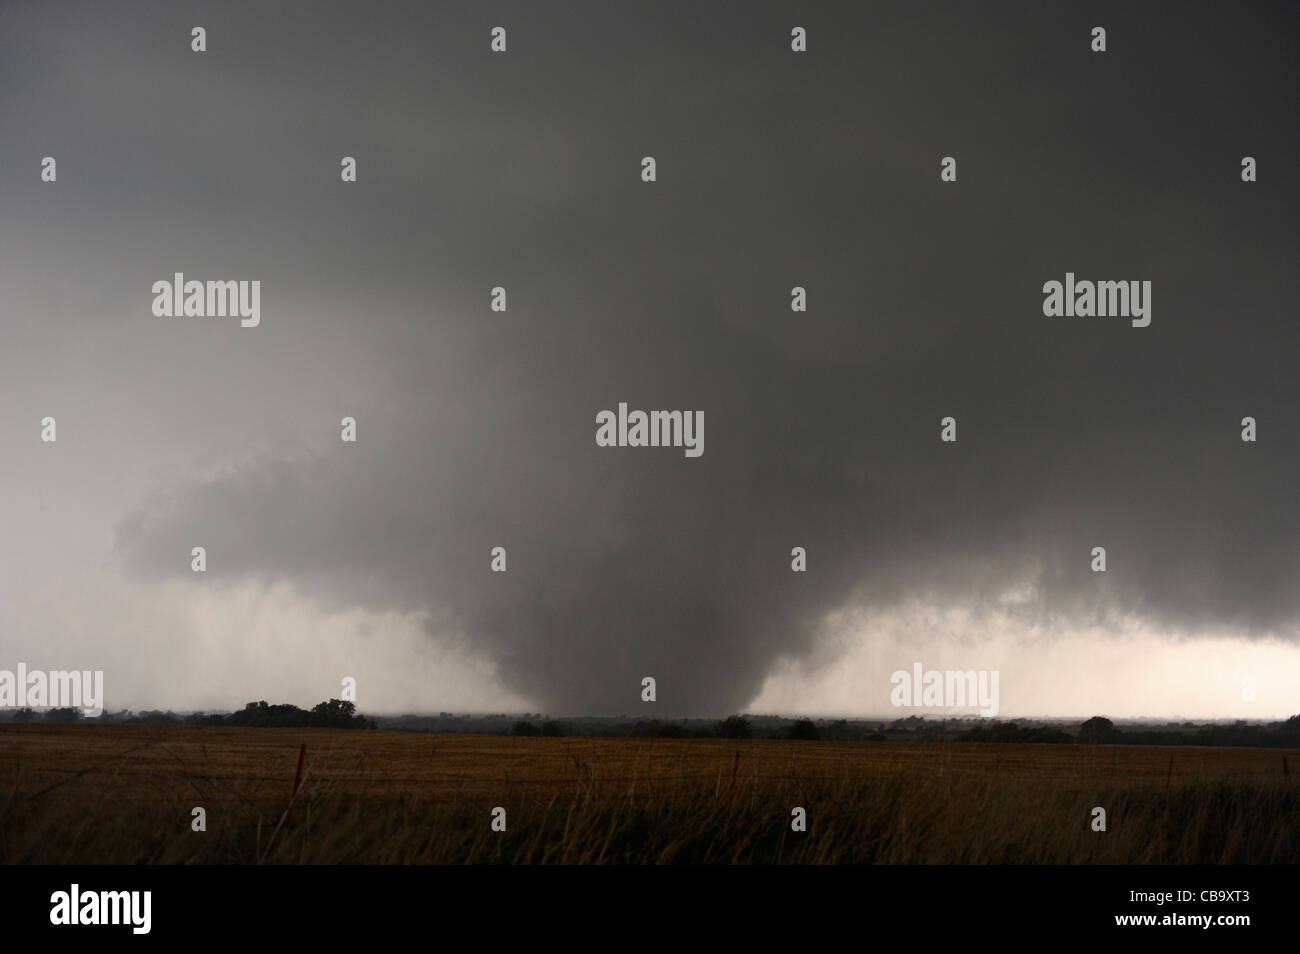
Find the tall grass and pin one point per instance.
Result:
(384, 798)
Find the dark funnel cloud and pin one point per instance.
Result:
(822, 429)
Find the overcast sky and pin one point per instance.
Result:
(477, 429)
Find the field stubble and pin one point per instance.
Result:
(125, 794)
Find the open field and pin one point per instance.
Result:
(124, 794)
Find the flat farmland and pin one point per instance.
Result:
(128, 794)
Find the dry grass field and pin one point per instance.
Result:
(124, 794)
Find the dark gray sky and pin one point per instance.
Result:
(476, 429)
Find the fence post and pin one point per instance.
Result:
(297, 780)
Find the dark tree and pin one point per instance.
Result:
(735, 727)
(804, 730)
(1097, 730)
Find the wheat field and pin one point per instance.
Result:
(126, 794)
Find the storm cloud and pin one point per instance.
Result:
(477, 428)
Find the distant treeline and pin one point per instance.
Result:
(733, 727)
(1100, 731)
(334, 714)
(1095, 731)
(337, 713)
